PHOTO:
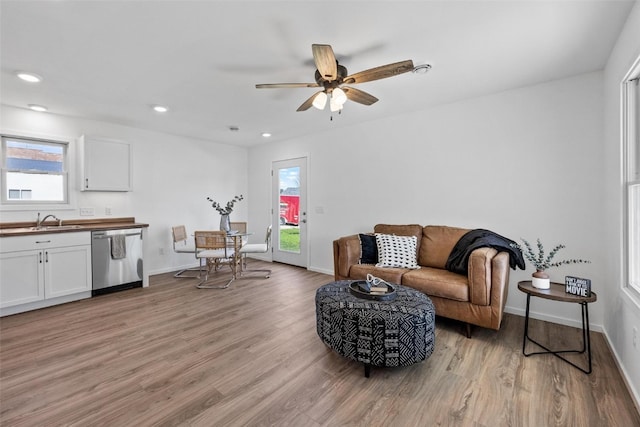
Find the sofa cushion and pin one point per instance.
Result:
(438, 282)
(368, 249)
(396, 251)
(391, 275)
(400, 230)
(437, 243)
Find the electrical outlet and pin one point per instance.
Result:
(87, 212)
(635, 337)
(107, 211)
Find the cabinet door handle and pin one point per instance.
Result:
(86, 183)
(46, 257)
(40, 257)
(43, 241)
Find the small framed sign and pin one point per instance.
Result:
(577, 286)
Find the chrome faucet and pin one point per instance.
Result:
(39, 221)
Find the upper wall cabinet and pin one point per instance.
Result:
(105, 164)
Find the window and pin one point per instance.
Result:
(33, 171)
(631, 140)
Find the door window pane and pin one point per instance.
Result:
(289, 184)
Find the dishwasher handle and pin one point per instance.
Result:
(104, 236)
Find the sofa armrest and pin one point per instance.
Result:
(346, 252)
(500, 269)
(480, 275)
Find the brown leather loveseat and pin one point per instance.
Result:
(476, 299)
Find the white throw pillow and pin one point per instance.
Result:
(397, 251)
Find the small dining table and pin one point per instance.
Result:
(235, 242)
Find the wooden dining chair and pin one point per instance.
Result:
(213, 247)
(240, 227)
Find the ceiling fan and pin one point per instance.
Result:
(332, 78)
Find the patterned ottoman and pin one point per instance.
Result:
(377, 333)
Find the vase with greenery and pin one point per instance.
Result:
(542, 261)
(225, 211)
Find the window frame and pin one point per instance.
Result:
(34, 205)
(630, 96)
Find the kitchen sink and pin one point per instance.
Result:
(43, 229)
(56, 227)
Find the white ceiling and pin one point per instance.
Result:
(110, 60)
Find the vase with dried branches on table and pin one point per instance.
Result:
(542, 262)
(225, 211)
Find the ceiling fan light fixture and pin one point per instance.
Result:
(320, 101)
(330, 75)
(421, 69)
(335, 106)
(338, 96)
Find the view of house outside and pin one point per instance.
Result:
(34, 170)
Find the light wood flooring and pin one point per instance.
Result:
(249, 355)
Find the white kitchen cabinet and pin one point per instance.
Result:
(105, 164)
(22, 278)
(67, 271)
(44, 269)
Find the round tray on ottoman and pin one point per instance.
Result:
(354, 288)
(393, 333)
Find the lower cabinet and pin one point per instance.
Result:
(22, 278)
(59, 267)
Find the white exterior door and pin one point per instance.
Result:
(289, 203)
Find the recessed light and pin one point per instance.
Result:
(266, 134)
(38, 108)
(29, 77)
(160, 108)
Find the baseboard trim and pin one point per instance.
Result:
(575, 323)
(635, 394)
(321, 270)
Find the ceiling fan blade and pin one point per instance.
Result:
(381, 72)
(285, 85)
(359, 96)
(308, 103)
(325, 61)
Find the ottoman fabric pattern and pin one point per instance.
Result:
(378, 333)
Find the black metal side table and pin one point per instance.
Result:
(556, 293)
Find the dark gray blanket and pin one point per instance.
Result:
(479, 238)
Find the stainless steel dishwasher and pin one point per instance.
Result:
(116, 260)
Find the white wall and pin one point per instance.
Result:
(622, 311)
(172, 177)
(524, 163)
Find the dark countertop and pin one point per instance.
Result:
(68, 226)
